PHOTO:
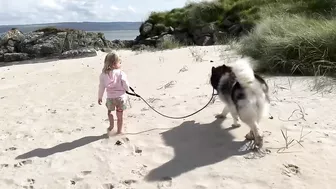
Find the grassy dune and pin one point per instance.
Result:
(289, 36)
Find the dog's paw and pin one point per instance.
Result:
(220, 116)
(249, 136)
(259, 142)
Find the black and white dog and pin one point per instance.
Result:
(245, 95)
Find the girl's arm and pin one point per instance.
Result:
(124, 81)
(101, 87)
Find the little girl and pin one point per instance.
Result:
(116, 84)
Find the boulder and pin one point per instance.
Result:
(78, 39)
(204, 35)
(168, 38)
(120, 44)
(10, 57)
(183, 38)
(235, 29)
(221, 37)
(205, 41)
(79, 53)
(14, 35)
(145, 29)
(40, 45)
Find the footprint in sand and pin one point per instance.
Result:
(108, 186)
(31, 182)
(152, 100)
(138, 150)
(4, 165)
(142, 171)
(11, 149)
(86, 172)
(144, 109)
(52, 111)
(184, 69)
(290, 170)
(166, 182)
(129, 182)
(22, 163)
(28, 187)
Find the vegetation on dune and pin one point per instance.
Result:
(248, 11)
(288, 36)
(292, 44)
(53, 30)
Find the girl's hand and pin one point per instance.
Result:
(100, 101)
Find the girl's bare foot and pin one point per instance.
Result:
(109, 129)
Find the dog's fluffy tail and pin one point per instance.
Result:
(244, 73)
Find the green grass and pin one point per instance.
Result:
(170, 44)
(292, 45)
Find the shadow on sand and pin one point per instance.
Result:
(196, 145)
(67, 146)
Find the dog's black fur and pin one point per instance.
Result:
(232, 87)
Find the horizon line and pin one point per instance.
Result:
(70, 22)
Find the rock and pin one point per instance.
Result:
(149, 41)
(79, 53)
(145, 29)
(13, 34)
(120, 44)
(235, 29)
(204, 41)
(2, 55)
(159, 29)
(107, 50)
(163, 39)
(139, 47)
(40, 45)
(171, 29)
(221, 37)
(183, 38)
(10, 57)
(208, 29)
(227, 23)
(78, 39)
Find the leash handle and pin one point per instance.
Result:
(132, 94)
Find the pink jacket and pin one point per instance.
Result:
(115, 83)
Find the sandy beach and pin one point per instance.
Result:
(53, 132)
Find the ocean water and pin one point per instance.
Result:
(120, 34)
(117, 34)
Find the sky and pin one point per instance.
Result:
(50, 11)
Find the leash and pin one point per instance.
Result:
(171, 117)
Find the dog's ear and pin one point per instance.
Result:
(212, 69)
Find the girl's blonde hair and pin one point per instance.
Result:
(110, 59)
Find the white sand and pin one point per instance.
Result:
(49, 114)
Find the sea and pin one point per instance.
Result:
(111, 30)
(116, 34)
(120, 34)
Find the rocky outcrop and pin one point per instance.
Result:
(68, 43)
(202, 35)
(54, 43)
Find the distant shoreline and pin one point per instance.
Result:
(111, 30)
(86, 26)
